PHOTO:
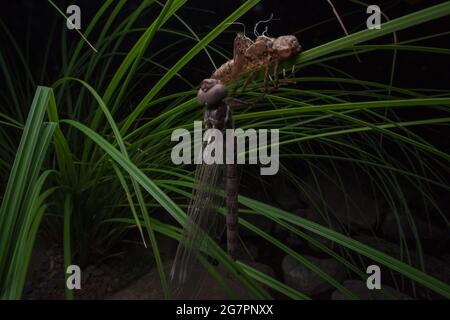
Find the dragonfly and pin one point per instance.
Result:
(248, 57)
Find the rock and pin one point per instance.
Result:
(148, 287)
(433, 266)
(293, 240)
(359, 288)
(261, 267)
(343, 195)
(425, 230)
(307, 281)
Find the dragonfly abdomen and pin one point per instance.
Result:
(232, 206)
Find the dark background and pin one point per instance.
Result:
(33, 21)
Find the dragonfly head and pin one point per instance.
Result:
(211, 92)
(286, 47)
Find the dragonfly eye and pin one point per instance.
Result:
(211, 92)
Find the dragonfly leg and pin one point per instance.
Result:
(277, 82)
(270, 84)
(292, 74)
(274, 82)
(266, 88)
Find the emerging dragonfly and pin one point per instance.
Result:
(248, 56)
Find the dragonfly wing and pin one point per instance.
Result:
(187, 272)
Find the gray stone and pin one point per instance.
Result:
(359, 288)
(148, 287)
(307, 281)
(261, 267)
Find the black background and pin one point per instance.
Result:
(282, 309)
(30, 22)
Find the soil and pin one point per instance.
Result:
(46, 275)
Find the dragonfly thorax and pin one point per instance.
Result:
(217, 116)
